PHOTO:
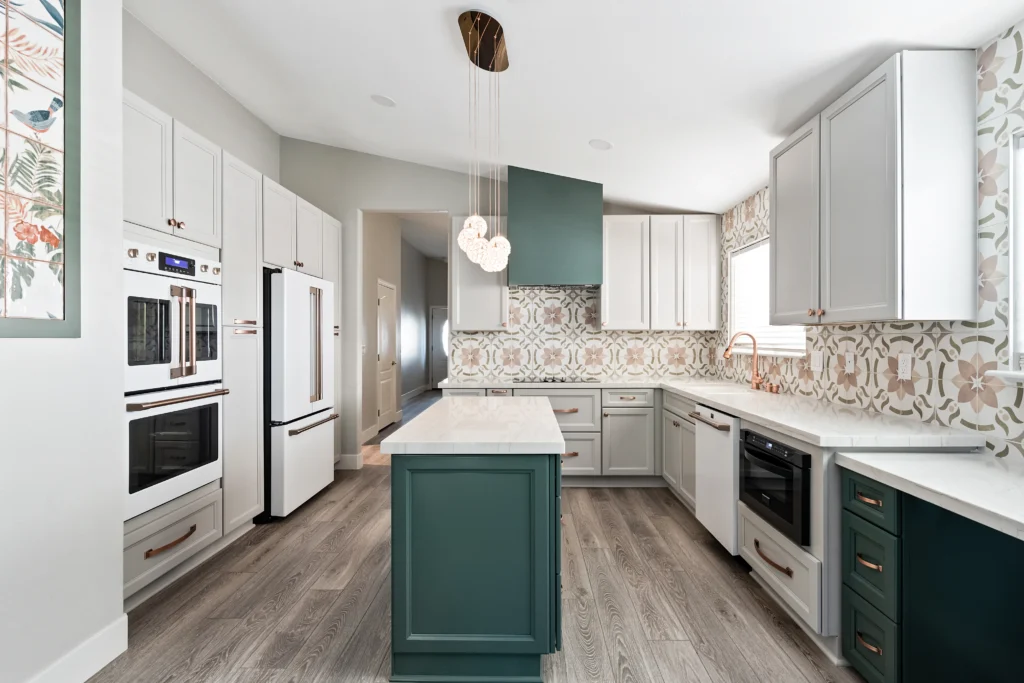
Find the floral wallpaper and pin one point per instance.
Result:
(32, 160)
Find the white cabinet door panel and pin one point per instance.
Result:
(197, 187)
(148, 141)
(243, 426)
(309, 222)
(240, 258)
(332, 262)
(626, 285)
(478, 299)
(700, 267)
(688, 481)
(672, 449)
(627, 436)
(279, 207)
(667, 273)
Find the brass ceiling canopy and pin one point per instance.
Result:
(485, 40)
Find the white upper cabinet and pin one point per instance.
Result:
(197, 187)
(148, 141)
(478, 299)
(700, 267)
(240, 256)
(668, 290)
(309, 226)
(332, 262)
(793, 193)
(279, 213)
(626, 285)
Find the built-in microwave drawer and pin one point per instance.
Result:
(161, 539)
(677, 404)
(577, 410)
(791, 571)
(582, 454)
(624, 398)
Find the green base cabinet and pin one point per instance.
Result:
(945, 599)
(476, 585)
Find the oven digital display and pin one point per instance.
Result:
(177, 264)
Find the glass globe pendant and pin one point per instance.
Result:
(477, 250)
(474, 228)
(496, 257)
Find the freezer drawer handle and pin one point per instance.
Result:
(296, 432)
(565, 410)
(772, 563)
(136, 407)
(720, 426)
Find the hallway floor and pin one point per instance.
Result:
(411, 409)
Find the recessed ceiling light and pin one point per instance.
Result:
(383, 101)
(600, 145)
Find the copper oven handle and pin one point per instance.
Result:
(193, 344)
(296, 432)
(772, 563)
(868, 501)
(245, 331)
(869, 565)
(153, 552)
(565, 410)
(871, 648)
(572, 454)
(179, 294)
(239, 321)
(136, 407)
(720, 426)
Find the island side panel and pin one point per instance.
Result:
(473, 568)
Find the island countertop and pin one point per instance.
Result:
(471, 425)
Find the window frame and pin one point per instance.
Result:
(745, 347)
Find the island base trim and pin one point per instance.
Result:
(465, 668)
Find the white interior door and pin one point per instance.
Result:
(387, 364)
(438, 345)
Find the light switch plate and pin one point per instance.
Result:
(904, 365)
(850, 362)
(817, 361)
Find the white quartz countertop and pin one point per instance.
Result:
(469, 425)
(988, 490)
(819, 423)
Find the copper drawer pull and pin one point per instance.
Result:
(720, 426)
(573, 454)
(499, 391)
(627, 398)
(871, 648)
(565, 411)
(296, 432)
(153, 552)
(772, 563)
(246, 332)
(868, 501)
(869, 565)
(239, 321)
(136, 407)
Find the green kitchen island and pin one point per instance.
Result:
(476, 541)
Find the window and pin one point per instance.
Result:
(749, 285)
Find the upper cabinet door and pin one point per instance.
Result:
(197, 187)
(626, 286)
(860, 213)
(309, 238)
(279, 207)
(148, 141)
(332, 262)
(700, 267)
(478, 299)
(793, 172)
(667, 276)
(240, 257)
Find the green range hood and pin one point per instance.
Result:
(555, 228)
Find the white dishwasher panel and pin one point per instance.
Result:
(718, 486)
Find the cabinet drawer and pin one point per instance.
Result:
(870, 640)
(463, 392)
(582, 454)
(877, 503)
(152, 550)
(639, 398)
(677, 404)
(499, 392)
(794, 573)
(577, 410)
(871, 563)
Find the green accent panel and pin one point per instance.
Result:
(472, 565)
(465, 668)
(877, 631)
(963, 598)
(886, 516)
(879, 547)
(555, 228)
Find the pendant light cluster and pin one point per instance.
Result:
(485, 45)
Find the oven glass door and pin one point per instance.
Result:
(770, 487)
(152, 329)
(206, 341)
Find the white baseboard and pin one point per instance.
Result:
(597, 481)
(89, 656)
(368, 434)
(349, 461)
(414, 393)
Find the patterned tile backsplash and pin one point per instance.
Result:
(554, 330)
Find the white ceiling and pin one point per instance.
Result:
(692, 94)
(427, 232)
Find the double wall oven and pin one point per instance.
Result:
(173, 392)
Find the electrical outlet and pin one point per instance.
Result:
(817, 361)
(850, 362)
(904, 365)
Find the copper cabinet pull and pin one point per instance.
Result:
(627, 398)
(868, 501)
(810, 311)
(772, 563)
(871, 648)
(821, 311)
(607, 415)
(171, 222)
(181, 225)
(239, 321)
(153, 552)
(720, 426)
(245, 331)
(674, 423)
(565, 410)
(572, 454)
(296, 432)
(499, 391)
(869, 565)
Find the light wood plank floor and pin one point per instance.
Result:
(649, 597)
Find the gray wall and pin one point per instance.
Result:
(168, 81)
(437, 283)
(414, 320)
(382, 259)
(345, 184)
(61, 409)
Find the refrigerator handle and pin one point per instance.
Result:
(317, 361)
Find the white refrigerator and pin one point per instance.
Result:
(301, 378)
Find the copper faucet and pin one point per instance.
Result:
(755, 377)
